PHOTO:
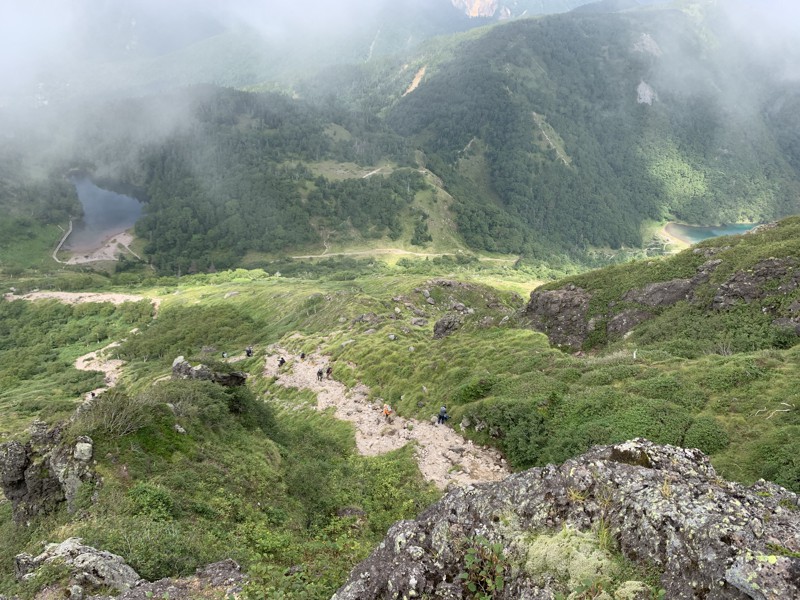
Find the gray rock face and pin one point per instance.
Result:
(446, 325)
(664, 506)
(87, 565)
(664, 293)
(182, 369)
(223, 579)
(622, 323)
(561, 315)
(38, 476)
(747, 286)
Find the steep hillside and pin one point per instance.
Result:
(593, 123)
(725, 295)
(186, 471)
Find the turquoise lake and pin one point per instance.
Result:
(692, 234)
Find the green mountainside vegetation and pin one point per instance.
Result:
(261, 476)
(346, 215)
(534, 130)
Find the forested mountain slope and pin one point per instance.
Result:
(586, 125)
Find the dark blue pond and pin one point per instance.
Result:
(692, 234)
(105, 214)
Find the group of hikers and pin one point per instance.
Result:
(441, 419)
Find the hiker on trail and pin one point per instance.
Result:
(302, 356)
(281, 362)
(319, 374)
(328, 372)
(387, 412)
(224, 355)
(248, 351)
(443, 416)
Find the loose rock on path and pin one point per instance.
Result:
(445, 457)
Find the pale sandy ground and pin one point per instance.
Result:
(79, 297)
(673, 239)
(100, 360)
(111, 247)
(445, 457)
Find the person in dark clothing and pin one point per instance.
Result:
(302, 356)
(443, 416)
(328, 372)
(281, 362)
(248, 351)
(319, 374)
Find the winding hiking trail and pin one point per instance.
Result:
(100, 361)
(445, 458)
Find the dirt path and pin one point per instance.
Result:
(79, 297)
(444, 457)
(99, 360)
(398, 252)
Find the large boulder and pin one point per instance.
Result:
(662, 507)
(561, 315)
(223, 579)
(37, 477)
(182, 369)
(87, 566)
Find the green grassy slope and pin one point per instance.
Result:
(265, 482)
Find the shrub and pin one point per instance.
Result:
(151, 500)
(706, 434)
(115, 414)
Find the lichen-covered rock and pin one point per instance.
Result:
(625, 321)
(182, 369)
(38, 476)
(88, 566)
(664, 507)
(222, 579)
(663, 293)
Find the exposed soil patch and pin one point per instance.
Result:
(100, 360)
(80, 297)
(444, 456)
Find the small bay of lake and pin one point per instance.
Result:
(692, 234)
(105, 214)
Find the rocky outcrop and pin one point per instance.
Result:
(662, 507)
(748, 286)
(40, 475)
(223, 579)
(87, 566)
(182, 369)
(446, 325)
(561, 314)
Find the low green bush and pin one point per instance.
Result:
(707, 434)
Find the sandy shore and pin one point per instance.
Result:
(667, 232)
(111, 248)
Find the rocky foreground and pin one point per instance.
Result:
(562, 532)
(631, 521)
